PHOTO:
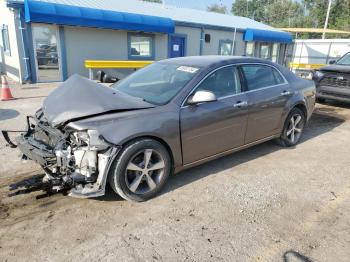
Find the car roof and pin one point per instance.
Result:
(210, 60)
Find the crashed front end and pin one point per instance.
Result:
(76, 162)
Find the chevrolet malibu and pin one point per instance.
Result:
(166, 117)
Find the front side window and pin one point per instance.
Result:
(223, 82)
(141, 46)
(157, 83)
(225, 47)
(259, 76)
(345, 60)
(5, 39)
(249, 49)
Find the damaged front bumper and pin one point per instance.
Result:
(75, 162)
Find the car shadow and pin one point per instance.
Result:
(6, 114)
(321, 122)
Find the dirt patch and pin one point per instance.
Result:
(4, 211)
(265, 203)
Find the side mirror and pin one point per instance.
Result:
(201, 97)
(331, 62)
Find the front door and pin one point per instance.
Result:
(215, 127)
(47, 59)
(177, 46)
(268, 94)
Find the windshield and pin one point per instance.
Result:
(157, 83)
(345, 60)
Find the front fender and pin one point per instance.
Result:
(119, 128)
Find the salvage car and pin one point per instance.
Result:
(164, 118)
(333, 81)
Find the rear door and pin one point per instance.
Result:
(268, 93)
(214, 127)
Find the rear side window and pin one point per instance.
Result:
(223, 82)
(259, 76)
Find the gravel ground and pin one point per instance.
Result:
(265, 203)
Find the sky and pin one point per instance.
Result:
(199, 4)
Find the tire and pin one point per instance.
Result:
(290, 135)
(130, 178)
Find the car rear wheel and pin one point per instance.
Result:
(293, 128)
(141, 170)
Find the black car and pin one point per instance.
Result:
(333, 81)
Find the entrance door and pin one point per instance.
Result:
(177, 46)
(47, 59)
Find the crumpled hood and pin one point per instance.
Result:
(336, 68)
(79, 97)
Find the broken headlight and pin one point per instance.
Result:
(91, 139)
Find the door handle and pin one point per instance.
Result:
(285, 93)
(241, 104)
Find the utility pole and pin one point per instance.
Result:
(327, 17)
(247, 9)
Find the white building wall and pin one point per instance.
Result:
(102, 44)
(212, 48)
(240, 44)
(193, 39)
(318, 51)
(96, 44)
(161, 46)
(11, 63)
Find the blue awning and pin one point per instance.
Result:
(267, 36)
(44, 12)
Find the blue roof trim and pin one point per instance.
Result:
(267, 36)
(44, 12)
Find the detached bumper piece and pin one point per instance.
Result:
(38, 183)
(5, 134)
(35, 150)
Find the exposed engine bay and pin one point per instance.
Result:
(75, 162)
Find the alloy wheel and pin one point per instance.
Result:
(144, 171)
(295, 128)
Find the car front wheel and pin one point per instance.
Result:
(141, 170)
(293, 128)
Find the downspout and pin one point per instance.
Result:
(22, 27)
(233, 51)
(201, 41)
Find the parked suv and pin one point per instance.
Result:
(333, 81)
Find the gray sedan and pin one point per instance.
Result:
(168, 116)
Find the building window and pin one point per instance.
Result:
(265, 51)
(275, 48)
(5, 39)
(249, 49)
(225, 47)
(141, 46)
